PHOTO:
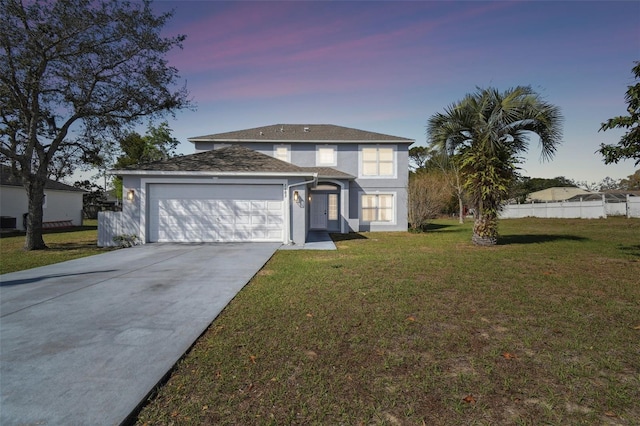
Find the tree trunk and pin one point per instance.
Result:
(460, 209)
(485, 230)
(35, 194)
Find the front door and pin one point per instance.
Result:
(319, 206)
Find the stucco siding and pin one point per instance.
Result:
(59, 205)
(348, 160)
(13, 203)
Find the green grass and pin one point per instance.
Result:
(64, 244)
(404, 328)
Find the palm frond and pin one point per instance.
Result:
(489, 130)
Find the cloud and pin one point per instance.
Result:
(257, 50)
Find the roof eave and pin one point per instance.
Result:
(208, 173)
(324, 141)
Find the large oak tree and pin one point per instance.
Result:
(74, 74)
(629, 145)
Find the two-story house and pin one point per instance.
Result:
(272, 183)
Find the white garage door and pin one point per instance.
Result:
(209, 213)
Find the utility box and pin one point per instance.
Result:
(7, 222)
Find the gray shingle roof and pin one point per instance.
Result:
(610, 196)
(227, 159)
(328, 173)
(9, 179)
(302, 133)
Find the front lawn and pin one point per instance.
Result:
(404, 329)
(64, 244)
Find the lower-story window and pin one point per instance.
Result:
(377, 207)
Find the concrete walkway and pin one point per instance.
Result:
(316, 240)
(84, 342)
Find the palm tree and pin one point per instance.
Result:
(486, 132)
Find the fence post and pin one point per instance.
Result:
(604, 206)
(628, 206)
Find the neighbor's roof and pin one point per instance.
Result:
(9, 179)
(557, 193)
(327, 133)
(610, 196)
(230, 159)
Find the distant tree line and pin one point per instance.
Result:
(435, 190)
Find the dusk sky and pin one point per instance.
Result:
(388, 66)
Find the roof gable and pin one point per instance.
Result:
(231, 159)
(7, 178)
(301, 133)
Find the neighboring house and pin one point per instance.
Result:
(610, 196)
(62, 204)
(272, 183)
(556, 194)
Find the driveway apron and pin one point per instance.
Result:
(85, 341)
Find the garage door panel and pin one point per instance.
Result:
(190, 235)
(226, 219)
(274, 207)
(273, 234)
(243, 232)
(242, 219)
(259, 234)
(258, 219)
(226, 207)
(275, 220)
(204, 213)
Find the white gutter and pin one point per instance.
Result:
(200, 173)
(288, 221)
(300, 141)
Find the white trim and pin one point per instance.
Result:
(395, 162)
(333, 162)
(329, 141)
(206, 174)
(394, 207)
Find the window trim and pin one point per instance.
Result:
(394, 150)
(394, 206)
(287, 147)
(334, 161)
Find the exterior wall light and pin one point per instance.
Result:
(296, 197)
(131, 194)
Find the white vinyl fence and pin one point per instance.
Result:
(574, 209)
(109, 226)
(633, 206)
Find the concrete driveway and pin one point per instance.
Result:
(85, 341)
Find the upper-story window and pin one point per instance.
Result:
(326, 155)
(378, 161)
(282, 152)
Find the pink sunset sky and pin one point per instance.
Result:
(388, 66)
